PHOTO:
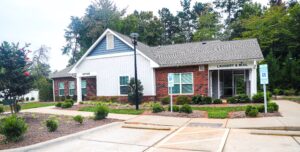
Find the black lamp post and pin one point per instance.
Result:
(134, 37)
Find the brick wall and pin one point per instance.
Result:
(200, 79)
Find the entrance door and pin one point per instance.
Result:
(239, 84)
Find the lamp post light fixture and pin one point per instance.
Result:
(134, 37)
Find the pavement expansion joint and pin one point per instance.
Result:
(121, 143)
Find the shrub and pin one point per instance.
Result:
(261, 108)
(62, 98)
(156, 107)
(70, 100)
(217, 101)
(251, 111)
(59, 104)
(66, 105)
(27, 98)
(243, 98)
(186, 108)
(32, 98)
(181, 100)
(207, 100)
(259, 97)
(74, 97)
(175, 108)
(289, 92)
(165, 100)
(273, 105)
(197, 99)
(276, 92)
(101, 112)
(52, 124)
(78, 119)
(13, 128)
(231, 100)
(81, 102)
(1, 109)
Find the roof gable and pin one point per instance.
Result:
(101, 49)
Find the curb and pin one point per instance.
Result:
(150, 127)
(282, 128)
(276, 133)
(59, 139)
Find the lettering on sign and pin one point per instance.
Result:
(85, 73)
(232, 65)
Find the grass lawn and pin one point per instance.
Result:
(118, 111)
(31, 105)
(219, 112)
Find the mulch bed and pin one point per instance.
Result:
(37, 132)
(195, 114)
(241, 114)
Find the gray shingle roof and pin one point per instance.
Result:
(196, 53)
(63, 73)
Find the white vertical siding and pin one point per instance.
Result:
(109, 69)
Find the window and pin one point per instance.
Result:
(183, 83)
(109, 41)
(61, 88)
(71, 88)
(124, 84)
(83, 87)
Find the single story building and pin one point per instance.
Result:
(212, 68)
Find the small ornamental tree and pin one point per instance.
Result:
(15, 78)
(131, 90)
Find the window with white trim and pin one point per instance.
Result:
(83, 87)
(183, 83)
(124, 80)
(61, 89)
(109, 41)
(71, 88)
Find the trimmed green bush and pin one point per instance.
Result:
(101, 112)
(59, 104)
(186, 108)
(243, 98)
(18, 108)
(70, 100)
(52, 124)
(165, 100)
(207, 100)
(157, 107)
(13, 127)
(231, 100)
(1, 109)
(251, 111)
(78, 119)
(261, 108)
(175, 108)
(81, 102)
(258, 98)
(217, 101)
(290, 92)
(66, 105)
(181, 100)
(274, 105)
(197, 99)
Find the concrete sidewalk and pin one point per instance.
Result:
(289, 110)
(52, 110)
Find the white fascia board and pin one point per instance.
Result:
(153, 63)
(73, 70)
(109, 55)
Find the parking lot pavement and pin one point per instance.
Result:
(197, 135)
(160, 120)
(241, 140)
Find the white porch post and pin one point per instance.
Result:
(79, 94)
(53, 88)
(253, 85)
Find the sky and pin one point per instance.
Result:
(42, 22)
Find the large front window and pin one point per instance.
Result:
(71, 88)
(124, 85)
(183, 83)
(61, 89)
(83, 87)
